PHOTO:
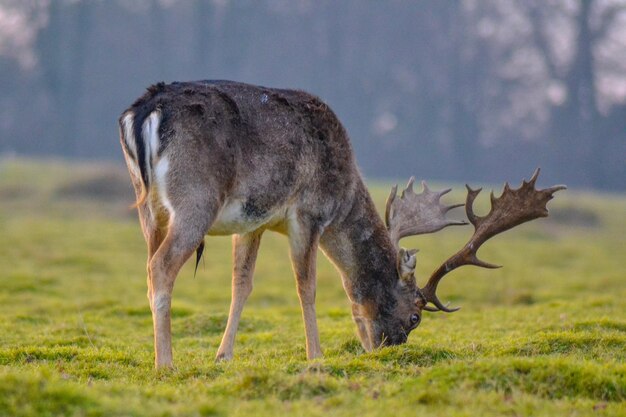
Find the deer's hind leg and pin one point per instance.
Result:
(184, 235)
(154, 235)
(190, 211)
(245, 249)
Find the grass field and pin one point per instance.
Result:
(544, 336)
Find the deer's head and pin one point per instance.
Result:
(390, 318)
(414, 214)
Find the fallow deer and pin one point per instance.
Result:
(227, 158)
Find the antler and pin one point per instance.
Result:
(415, 214)
(512, 208)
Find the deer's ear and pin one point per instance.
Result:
(406, 264)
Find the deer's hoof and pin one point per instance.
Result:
(223, 357)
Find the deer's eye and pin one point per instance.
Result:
(415, 319)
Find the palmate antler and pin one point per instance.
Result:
(511, 209)
(414, 214)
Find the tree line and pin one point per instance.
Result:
(452, 90)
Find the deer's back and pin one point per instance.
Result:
(269, 150)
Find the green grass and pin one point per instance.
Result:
(544, 336)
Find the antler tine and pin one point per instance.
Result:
(453, 206)
(390, 200)
(414, 214)
(511, 209)
(409, 185)
(469, 204)
(534, 177)
(554, 189)
(444, 192)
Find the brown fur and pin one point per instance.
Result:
(242, 159)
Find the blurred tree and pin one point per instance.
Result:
(576, 124)
(455, 89)
(62, 46)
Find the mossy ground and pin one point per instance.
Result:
(546, 335)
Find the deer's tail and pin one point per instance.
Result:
(140, 140)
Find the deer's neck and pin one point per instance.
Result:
(360, 247)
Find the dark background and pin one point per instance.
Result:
(452, 90)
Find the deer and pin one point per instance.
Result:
(210, 158)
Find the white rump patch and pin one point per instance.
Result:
(129, 139)
(150, 132)
(127, 122)
(160, 179)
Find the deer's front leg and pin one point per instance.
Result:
(303, 243)
(245, 249)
